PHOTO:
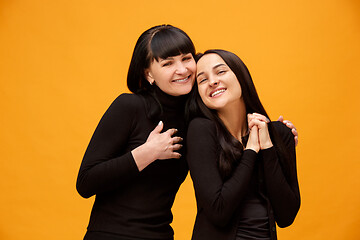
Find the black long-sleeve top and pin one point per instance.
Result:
(130, 204)
(219, 202)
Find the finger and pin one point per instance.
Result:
(296, 138)
(251, 124)
(177, 147)
(261, 117)
(294, 131)
(249, 117)
(254, 133)
(289, 124)
(265, 120)
(158, 127)
(258, 123)
(172, 131)
(281, 118)
(175, 155)
(176, 139)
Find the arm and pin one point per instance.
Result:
(218, 199)
(283, 192)
(104, 166)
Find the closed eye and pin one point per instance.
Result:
(167, 64)
(202, 80)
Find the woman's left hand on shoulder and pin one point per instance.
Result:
(292, 127)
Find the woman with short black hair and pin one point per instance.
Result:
(134, 162)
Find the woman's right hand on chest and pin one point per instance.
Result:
(159, 145)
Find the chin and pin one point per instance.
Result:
(183, 90)
(180, 93)
(215, 107)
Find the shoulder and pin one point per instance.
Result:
(201, 123)
(126, 102)
(127, 99)
(282, 130)
(201, 127)
(201, 137)
(125, 106)
(280, 127)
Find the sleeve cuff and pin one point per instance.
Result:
(129, 166)
(269, 155)
(249, 156)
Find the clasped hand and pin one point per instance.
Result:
(259, 137)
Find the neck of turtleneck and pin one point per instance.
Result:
(169, 102)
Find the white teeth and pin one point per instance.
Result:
(182, 80)
(217, 92)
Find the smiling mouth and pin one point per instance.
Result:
(182, 80)
(217, 92)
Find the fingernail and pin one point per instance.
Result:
(160, 123)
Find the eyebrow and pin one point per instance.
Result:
(172, 57)
(216, 66)
(166, 59)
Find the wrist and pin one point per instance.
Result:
(254, 148)
(266, 145)
(143, 156)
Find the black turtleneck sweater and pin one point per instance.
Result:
(130, 204)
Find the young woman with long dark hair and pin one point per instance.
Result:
(243, 167)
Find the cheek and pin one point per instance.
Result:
(202, 93)
(162, 76)
(192, 67)
(240, 92)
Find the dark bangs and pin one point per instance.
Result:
(170, 43)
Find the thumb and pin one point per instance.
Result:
(254, 134)
(159, 127)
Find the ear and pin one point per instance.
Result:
(149, 76)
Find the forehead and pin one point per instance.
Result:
(209, 61)
(170, 58)
(178, 56)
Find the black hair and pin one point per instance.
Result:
(231, 148)
(160, 41)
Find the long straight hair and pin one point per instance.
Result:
(230, 148)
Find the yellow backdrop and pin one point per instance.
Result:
(63, 62)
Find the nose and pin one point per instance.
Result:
(181, 68)
(213, 81)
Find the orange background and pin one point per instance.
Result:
(63, 62)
